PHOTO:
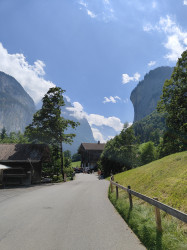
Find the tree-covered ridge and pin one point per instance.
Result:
(150, 128)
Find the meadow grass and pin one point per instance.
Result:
(166, 179)
(76, 164)
(141, 219)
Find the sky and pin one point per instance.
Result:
(96, 50)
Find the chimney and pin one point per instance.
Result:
(98, 142)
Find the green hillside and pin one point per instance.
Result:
(165, 178)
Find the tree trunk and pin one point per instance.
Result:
(62, 160)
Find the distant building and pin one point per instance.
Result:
(90, 153)
(25, 162)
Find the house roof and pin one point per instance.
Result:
(23, 152)
(92, 146)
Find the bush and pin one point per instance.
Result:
(69, 171)
(147, 153)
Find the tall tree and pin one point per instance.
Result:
(174, 104)
(48, 125)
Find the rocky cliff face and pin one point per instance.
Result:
(16, 106)
(147, 93)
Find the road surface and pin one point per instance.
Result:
(76, 215)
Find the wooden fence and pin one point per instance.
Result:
(158, 205)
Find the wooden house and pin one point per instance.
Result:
(24, 162)
(90, 153)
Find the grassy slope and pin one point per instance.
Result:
(165, 178)
(76, 164)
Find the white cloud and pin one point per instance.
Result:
(126, 78)
(29, 76)
(148, 27)
(111, 99)
(97, 135)
(151, 63)
(88, 11)
(78, 112)
(106, 1)
(91, 14)
(176, 38)
(185, 2)
(105, 12)
(83, 4)
(67, 98)
(99, 120)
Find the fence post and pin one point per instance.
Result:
(130, 198)
(117, 194)
(158, 217)
(111, 186)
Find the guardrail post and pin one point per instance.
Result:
(158, 217)
(130, 198)
(117, 194)
(111, 186)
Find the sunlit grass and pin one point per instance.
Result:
(76, 164)
(165, 179)
(141, 220)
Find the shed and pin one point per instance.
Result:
(24, 162)
(90, 153)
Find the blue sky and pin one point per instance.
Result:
(97, 50)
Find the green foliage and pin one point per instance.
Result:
(3, 134)
(150, 128)
(67, 162)
(67, 154)
(13, 137)
(119, 153)
(69, 171)
(147, 153)
(173, 103)
(48, 126)
(76, 157)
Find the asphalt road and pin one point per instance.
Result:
(76, 215)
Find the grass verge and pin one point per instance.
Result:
(141, 219)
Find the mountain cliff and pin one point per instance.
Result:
(16, 106)
(148, 91)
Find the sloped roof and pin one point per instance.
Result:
(93, 146)
(23, 152)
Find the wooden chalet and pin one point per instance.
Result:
(90, 153)
(24, 162)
